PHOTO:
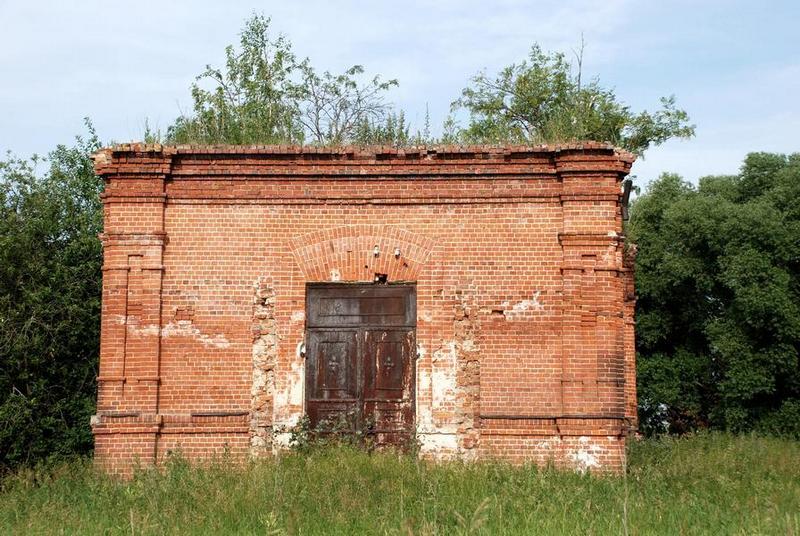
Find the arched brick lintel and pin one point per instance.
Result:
(347, 253)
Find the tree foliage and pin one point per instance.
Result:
(718, 319)
(336, 109)
(253, 100)
(265, 95)
(543, 99)
(50, 260)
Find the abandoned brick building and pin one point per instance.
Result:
(476, 301)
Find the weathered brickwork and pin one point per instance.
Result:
(524, 294)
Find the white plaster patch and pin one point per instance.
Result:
(439, 446)
(258, 442)
(425, 316)
(532, 304)
(185, 328)
(440, 383)
(424, 416)
(545, 451)
(468, 345)
(585, 455)
(148, 329)
(443, 376)
(281, 400)
(336, 275)
(136, 329)
(281, 441)
(288, 401)
(298, 316)
(296, 387)
(546, 444)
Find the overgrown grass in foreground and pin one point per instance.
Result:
(713, 484)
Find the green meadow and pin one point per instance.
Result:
(701, 484)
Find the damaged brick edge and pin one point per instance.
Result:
(265, 360)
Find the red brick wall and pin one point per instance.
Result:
(525, 300)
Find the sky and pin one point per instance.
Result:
(734, 66)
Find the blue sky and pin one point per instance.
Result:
(734, 66)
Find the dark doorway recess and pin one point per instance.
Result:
(360, 350)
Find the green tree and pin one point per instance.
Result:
(264, 95)
(337, 109)
(253, 100)
(50, 286)
(392, 130)
(543, 99)
(718, 314)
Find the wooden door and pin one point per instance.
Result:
(360, 354)
(332, 386)
(388, 384)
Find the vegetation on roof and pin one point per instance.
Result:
(265, 94)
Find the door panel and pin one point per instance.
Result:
(351, 305)
(388, 359)
(389, 384)
(332, 374)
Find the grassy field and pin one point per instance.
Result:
(705, 484)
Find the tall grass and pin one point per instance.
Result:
(704, 484)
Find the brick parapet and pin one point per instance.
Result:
(131, 161)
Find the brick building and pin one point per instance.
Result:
(475, 300)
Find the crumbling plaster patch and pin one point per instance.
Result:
(465, 331)
(265, 358)
(288, 400)
(179, 328)
(185, 328)
(585, 454)
(532, 304)
(448, 428)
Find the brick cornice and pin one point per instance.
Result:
(266, 161)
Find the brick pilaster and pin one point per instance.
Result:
(127, 420)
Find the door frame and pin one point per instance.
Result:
(410, 324)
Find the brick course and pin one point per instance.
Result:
(524, 294)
